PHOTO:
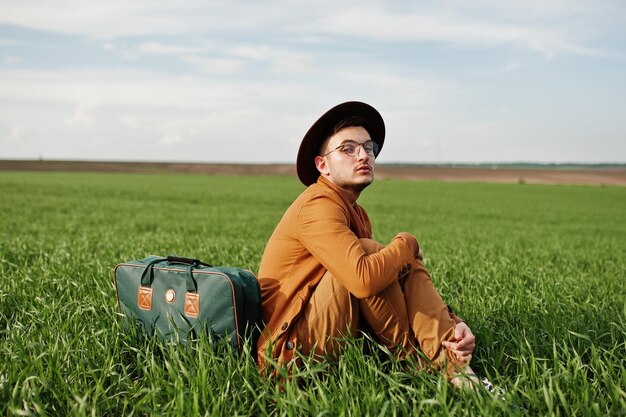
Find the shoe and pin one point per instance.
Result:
(499, 392)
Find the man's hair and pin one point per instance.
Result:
(343, 123)
(347, 122)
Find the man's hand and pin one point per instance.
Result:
(412, 242)
(464, 345)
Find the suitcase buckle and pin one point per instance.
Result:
(170, 296)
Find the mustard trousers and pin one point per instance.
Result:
(406, 316)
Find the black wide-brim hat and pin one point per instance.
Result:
(321, 129)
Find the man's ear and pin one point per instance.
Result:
(322, 166)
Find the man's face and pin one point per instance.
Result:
(348, 172)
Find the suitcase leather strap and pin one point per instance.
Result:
(148, 274)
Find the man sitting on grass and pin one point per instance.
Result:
(323, 277)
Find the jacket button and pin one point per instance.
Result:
(409, 266)
(289, 345)
(284, 326)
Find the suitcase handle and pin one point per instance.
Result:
(148, 273)
(183, 260)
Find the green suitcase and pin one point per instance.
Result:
(183, 299)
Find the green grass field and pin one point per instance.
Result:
(538, 272)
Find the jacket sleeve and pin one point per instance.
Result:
(323, 230)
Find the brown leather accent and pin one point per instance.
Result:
(192, 304)
(144, 298)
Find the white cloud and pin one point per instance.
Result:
(159, 48)
(138, 115)
(11, 60)
(281, 61)
(83, 116)
(169, 139)
(292, 64)
(257, 74)
(15, 133)
(215, 66)
(258, 52)
(548, 27)
(452, 27)
(120, 18)
(117, 88)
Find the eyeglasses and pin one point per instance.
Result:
(352, 149)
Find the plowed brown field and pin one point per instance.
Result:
(582, 175)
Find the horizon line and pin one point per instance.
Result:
(388, 163)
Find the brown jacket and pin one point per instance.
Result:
(320, 231)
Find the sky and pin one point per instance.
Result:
(479, 81)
